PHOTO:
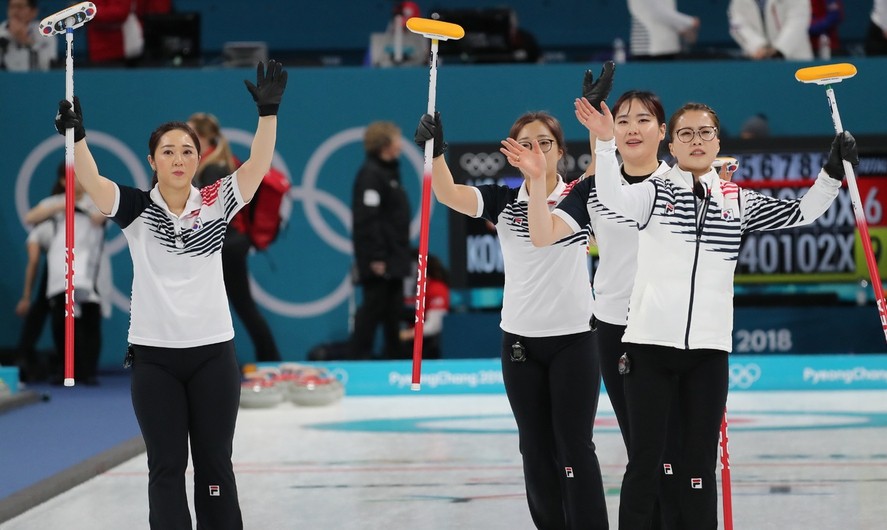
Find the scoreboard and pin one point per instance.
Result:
(827, 251)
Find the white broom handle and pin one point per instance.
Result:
(421, 280)
(69, 217)
(861, 220)
(855, 197)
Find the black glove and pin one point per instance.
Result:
(843, 148)
(269, 87)
(431, 128)
(597, 91)
(70, 118)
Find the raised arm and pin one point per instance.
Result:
(267, 93)
(545, 228)
(459, 197)
(600, 126)
(594, 92)
(101, 190)
(634, 202)
(44, 210)
(769, 213)
(54, 205)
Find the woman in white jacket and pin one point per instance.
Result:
(658, 29)
(776, 31)
(680, 318)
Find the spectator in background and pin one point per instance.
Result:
(217, 162)
(89, 279)
(381, 236)
(104, 33)
(771, 29)
(827, 16)
(34, 308)
(876, 38)
(437, 305)
(756, 126)
(398, 46)
(22, 47)
(658, 29)
(521, 43)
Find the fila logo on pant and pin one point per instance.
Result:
(215, 491)
(696, 483)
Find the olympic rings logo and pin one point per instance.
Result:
(490, 164)
(312, 199)
(308, 192)
(482, 164)
(743, 376)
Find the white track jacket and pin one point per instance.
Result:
(688, 247)
(783, 25)
(656, 26)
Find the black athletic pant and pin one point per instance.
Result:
(700, 378)
(182, 393)
(235, 252)
(554, 396)
(87, 339)
(32, 328)
(382, 304)
(875, 42)
(666, 511)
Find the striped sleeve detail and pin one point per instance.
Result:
(763, 212)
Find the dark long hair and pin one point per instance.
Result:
(164, 128)
(59, 185)
(435, 269)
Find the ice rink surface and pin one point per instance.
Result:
(799, 460)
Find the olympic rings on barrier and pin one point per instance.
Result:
(743, 376)
(482, 164)
(312, 199)
(49, 147)
(491, 164)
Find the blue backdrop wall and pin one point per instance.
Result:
(302, 280)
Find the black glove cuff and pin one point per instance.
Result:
(79, 134)
(268, 110)
(439, 149)
(835, 174)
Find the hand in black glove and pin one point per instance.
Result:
(431, 128)
(597, 91)
(70, 117)
(843, 148)
(269, 87)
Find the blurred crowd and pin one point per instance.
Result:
(130, 33)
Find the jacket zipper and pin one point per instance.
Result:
(700, 225)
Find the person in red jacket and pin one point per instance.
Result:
(826, 17)
(104, 33)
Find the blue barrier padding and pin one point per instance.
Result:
(484, 376)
